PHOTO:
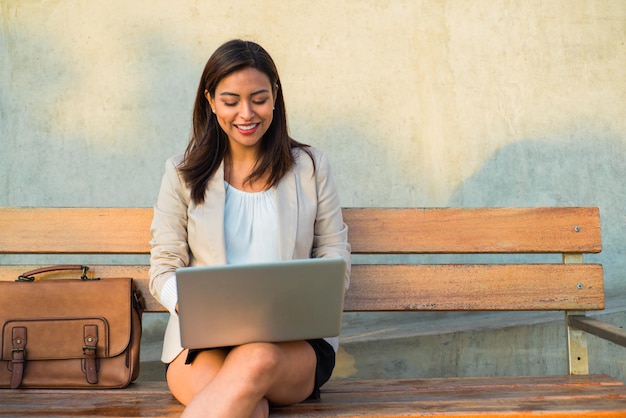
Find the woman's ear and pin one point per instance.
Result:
(210, 100)
(275, 93)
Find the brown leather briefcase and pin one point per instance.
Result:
(69, 333)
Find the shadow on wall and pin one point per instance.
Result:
(580, 169)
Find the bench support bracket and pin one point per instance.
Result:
(577, 354)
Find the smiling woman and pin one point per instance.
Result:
(244, 191)
(239, 88)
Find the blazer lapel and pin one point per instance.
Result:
(286, 196)
(212, 218)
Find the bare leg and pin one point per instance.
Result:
(185, 380)
(240, 383)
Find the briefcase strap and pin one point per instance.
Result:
(90, 333)
(18, 357)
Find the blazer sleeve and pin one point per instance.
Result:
(169, 244)
(330, 232)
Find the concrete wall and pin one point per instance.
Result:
(423, 103)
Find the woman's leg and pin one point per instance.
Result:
(186, 380)
(240, 383)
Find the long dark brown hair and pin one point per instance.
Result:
(209, 144)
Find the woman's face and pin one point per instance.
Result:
(244, 106)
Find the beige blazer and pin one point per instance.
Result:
(310, 224)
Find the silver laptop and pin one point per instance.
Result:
(228, 305)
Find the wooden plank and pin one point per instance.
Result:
(596, 405)
(476, 287)
(410, 287)
(479, 230)
(371, 230)
(550, 396)
(547, 396)
(454, 383)
(88, 403)
(600, 329)
(75, 230)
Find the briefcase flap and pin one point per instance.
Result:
(61, 317)
(58, 339)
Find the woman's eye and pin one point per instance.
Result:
(254, 102)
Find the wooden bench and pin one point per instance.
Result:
(567, 285)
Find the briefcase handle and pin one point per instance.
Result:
(29, 276)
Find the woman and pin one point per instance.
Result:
(243, 191)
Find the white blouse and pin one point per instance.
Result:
(250, 226)
(250, 233)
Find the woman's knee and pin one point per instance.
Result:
(283, 372)
(259, 360)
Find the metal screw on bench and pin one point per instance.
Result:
(577, 228)
(579, 286)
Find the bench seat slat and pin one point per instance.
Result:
(457, 383)
(547, 396)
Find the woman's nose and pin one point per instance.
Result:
(246, 110)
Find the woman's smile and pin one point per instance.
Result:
(247, 129)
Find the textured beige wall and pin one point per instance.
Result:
(422, 92)
(425, 103)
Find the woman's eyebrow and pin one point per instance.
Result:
(228, 93)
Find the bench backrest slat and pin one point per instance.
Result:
(372, 231)
(480, 230)
(75, 230)
(410, 287)
(476, 287)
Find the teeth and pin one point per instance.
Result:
(247, 127)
